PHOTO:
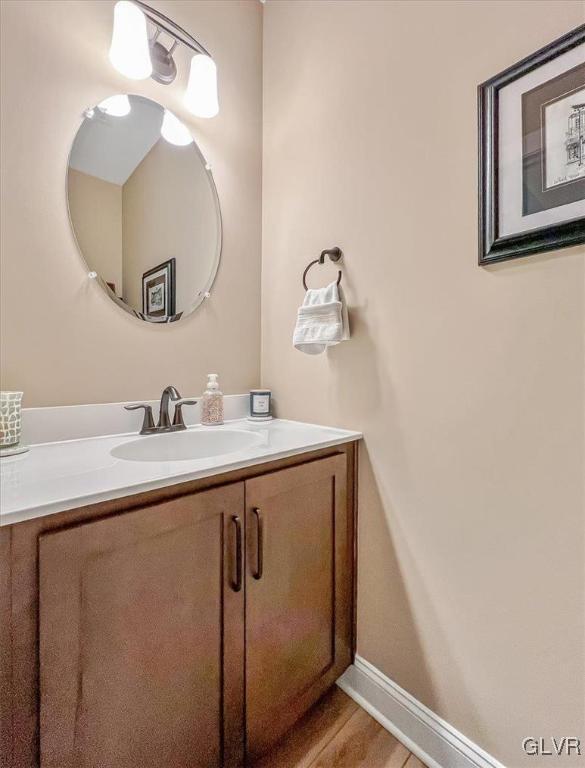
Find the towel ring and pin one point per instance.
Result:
(333, 253)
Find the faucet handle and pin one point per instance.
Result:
(148, 421)
(178, 415)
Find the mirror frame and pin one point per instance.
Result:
(205, 292)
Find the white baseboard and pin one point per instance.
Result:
(424, 733)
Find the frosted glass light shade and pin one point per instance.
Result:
(116, 106)
(201, 94)
(174, 131)
(129, 52)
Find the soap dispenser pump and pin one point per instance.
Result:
(212, 402)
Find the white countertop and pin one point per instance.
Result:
(53, 477)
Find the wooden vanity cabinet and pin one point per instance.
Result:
(190, 629)
(298, 594)
(141, 643)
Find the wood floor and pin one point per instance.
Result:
(337, 733)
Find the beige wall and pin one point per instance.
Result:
(63, 341)
(95, 207)
(169, 211)
(467, 382)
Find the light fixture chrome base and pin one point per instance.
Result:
(164, 69)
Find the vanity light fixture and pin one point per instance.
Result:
(137, 55)
(129, 51)
(201, 95)
(174, 131)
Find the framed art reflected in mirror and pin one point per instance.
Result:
(158, 293)
(532, 153)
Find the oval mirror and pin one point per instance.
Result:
(144, 208)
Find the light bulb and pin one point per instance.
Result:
(116, 106)
(129, 52)
(174, 131)
(201, 95)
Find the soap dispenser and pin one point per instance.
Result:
(212, 402)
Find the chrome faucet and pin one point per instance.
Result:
(170, 394)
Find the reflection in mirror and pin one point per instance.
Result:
(144, 208)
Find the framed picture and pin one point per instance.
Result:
(532, 153)
(158, 291)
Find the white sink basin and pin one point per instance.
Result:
(186, 446)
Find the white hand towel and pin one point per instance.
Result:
(322, 320)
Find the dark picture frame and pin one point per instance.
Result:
(493, 246)
(158, 292)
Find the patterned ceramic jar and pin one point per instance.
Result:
(10, 418)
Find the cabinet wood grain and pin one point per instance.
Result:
(305, 741)
(5, 648)
(140, 638)
(298, 594)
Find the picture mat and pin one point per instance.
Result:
(161, 277)
(510, 150)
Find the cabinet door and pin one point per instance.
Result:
(141, 642)
(298, 598)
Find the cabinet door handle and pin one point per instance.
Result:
(260, 545)
(237, 584)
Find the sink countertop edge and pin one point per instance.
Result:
(32, 511)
